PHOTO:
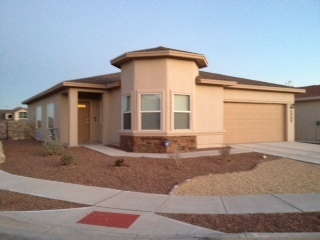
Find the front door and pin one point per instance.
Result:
(83, 122)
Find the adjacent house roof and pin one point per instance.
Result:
(312, 93)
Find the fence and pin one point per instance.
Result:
(17, 130)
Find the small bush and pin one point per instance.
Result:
(177, 157)
(67, 159)
(54, 147)
(225, 152)
(119, 163)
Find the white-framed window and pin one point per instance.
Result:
(126, 113)
(23, 115)
(38, 117)
(182, 111)
(50, 115)
(150, 111)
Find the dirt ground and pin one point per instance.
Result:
(28, 158)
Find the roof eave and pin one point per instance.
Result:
(224, 83)
(200, 59)
(63, 85)
(301, 99)
(268, 88)
(44, 93)
(235, 85)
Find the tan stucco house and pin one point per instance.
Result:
(160, 95)
(15, 114)
(308, 115)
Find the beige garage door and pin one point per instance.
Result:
(251, 122)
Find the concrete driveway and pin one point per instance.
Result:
(305, 152)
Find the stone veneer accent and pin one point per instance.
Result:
(156, 144)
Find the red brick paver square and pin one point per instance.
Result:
(108, 219)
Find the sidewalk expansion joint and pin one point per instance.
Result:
(225, 209)
(95, 204)
(156, 210)
(287, 203)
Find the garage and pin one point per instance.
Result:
(253, 122)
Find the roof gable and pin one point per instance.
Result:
(160, 52)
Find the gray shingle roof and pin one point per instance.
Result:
(216, 76)
(116, 77)
(103, 79)
(311, 91)
(160, 48)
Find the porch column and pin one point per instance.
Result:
(73, 117)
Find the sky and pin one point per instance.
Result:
(45, 42)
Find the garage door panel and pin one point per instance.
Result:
(251, 122)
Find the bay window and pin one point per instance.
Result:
(182, 111)
(150, 111)
(126, 113)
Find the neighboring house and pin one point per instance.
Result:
(159, 97)
(14, 114)
(307, 108)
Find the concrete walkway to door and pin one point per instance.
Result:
(305, 152)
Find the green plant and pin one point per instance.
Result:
(54, 147)
(67, 158)
(119, 162)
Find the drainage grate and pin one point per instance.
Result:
(107, 219)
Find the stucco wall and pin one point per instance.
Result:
(111, 117)
(307, 114)
(209, 116)
(43, 132)
(160, 76)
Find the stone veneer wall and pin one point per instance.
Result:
(156, 144)
(17, 130)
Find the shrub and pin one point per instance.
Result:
(119, 162)
(225, 152)
(54, 147)
(177, 157)
(67, 159)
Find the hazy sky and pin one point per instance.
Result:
(45, 42)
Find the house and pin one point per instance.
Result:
(14, 114)
(161, 98)
(307, 107)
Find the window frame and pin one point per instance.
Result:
(189, 112)
(124, 105)
(160, 111)
(38, 116)
(51, 112)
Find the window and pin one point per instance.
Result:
(126, 112)
(39, 117)
(150, 111)
(23, 115)
(181, 111)
(50, 115)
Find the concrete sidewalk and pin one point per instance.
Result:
(62, 224)
(119, 153)
(146, 202)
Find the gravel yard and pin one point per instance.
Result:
(239, 174)
(273, 177)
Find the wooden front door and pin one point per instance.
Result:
(83, 122)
